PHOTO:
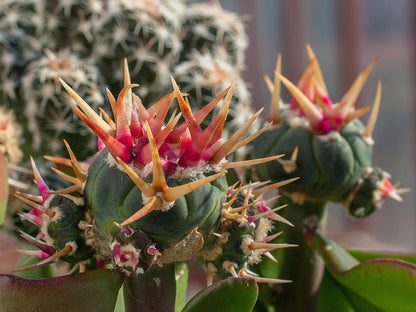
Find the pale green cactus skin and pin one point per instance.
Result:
(328, 166)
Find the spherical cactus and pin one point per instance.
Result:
(326, 145)
(45, 109)
(33, 18)
(156, 192)
(146, 33)
(15, 53)
(209, 28)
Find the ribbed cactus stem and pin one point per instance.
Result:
(302, 265)
(153, 291)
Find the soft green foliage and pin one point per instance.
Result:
(384, 284)
(181, 277)
(221, 297)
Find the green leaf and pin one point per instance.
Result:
(234, 294)
(332, 297)
(4, 187)
(89, 291)
(181, 277)
(385, 284)
(362, 256)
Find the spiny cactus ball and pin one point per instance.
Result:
(156, 191)
(325, 142)
(46, 112)
(209, 28)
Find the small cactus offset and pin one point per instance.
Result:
(155, 193)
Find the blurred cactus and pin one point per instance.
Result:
(45, 115)
(203, 45)
(10, 137)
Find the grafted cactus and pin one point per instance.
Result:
(325, 143)
(155, 193)
(330, 150)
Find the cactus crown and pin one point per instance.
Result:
(312, 103)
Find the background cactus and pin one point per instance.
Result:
(156, 37)
(44, 114)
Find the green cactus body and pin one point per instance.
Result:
(329, 150)
(325, 143)
(369, 192)
(198, 209)
(329, 165)
(63, 228)
(155, 192)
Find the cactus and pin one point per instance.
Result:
(147, 34)
(154, 193)
(45, 115)
(329, 148)
(205, 74)
(15, 54)
(326, 143)
(210, 29)
(203, 45)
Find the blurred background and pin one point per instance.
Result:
(345, 36)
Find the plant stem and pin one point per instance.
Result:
(301, 264)
(153, 291)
